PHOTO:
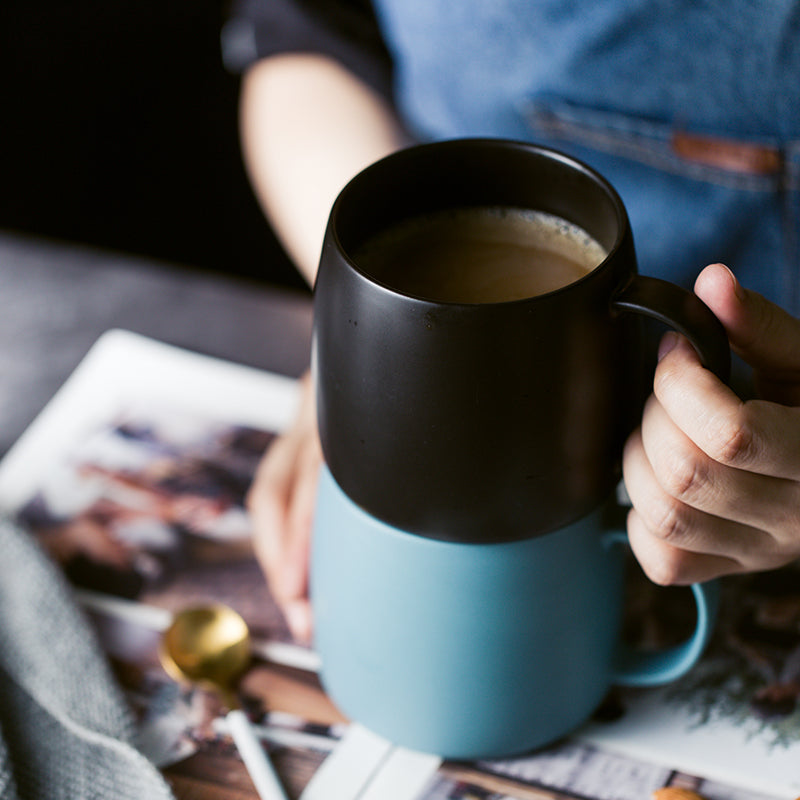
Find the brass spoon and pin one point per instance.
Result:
(210, 645)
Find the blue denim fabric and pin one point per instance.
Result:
(611, 82)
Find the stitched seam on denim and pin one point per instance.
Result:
(791, 227)
(650, 151)
(792, 168)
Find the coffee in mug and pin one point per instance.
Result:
(482, 254)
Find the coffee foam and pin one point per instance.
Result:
(551, 232)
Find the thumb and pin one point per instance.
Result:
(764, 335)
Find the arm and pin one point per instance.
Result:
(308, 126)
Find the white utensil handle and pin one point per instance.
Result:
(255, 758)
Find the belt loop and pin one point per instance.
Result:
(731, 155)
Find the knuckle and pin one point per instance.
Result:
(734, 440)
(685, 475)
(663, 563)
(667, 520)
(786, 533)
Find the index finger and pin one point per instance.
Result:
(755, 435)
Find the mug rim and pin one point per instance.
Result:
(494, 143)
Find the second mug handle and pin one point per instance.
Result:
(653, 668)
(685, 312)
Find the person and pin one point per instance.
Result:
(688, 109)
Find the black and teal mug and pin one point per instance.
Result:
(467, 586)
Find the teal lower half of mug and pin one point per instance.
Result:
(465, 650)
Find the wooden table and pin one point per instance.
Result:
(57, 298)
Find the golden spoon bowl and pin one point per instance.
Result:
(209, 645)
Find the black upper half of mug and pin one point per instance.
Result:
(481, 422)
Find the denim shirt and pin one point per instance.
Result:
(691, 108)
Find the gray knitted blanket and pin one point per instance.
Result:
(65, 731)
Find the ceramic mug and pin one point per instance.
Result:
(485, 421)
(466, 585)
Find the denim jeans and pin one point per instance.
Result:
(690, 108)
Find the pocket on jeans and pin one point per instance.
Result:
(764, 172)
(708, 156)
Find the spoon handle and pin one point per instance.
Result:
(255, 758)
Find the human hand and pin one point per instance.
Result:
(714, 481)
(281, 503)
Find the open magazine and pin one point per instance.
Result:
(133, 479)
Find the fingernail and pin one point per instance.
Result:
(667, 344)
(737, 287)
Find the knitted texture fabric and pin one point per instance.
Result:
(65, 730)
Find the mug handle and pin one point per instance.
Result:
(689, 315)
(685, 312)
(645, 668)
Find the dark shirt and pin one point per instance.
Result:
(345, 30)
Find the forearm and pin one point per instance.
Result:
(308, 125)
